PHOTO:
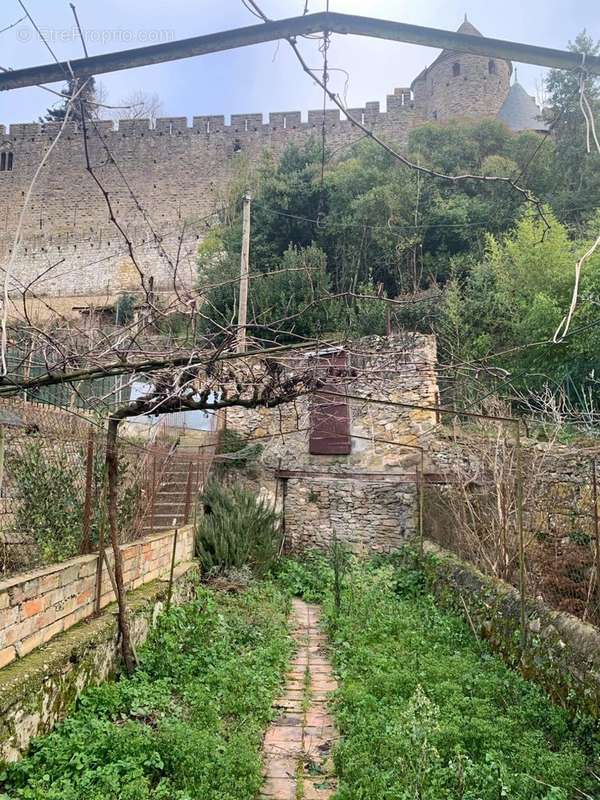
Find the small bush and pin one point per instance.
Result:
(310, 578)
(239, 454)
(236, 530)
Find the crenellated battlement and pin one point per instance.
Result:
(171, 172)
(165, 179)
(401, 101)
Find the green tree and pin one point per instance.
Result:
(576, 191)
(285, 303)
(512, 301)
(85, 106)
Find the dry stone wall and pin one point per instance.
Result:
(367, 498)
(400, 368)
(366, 515)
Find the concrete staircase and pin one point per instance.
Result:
(179, 485)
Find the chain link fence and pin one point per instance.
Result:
(53, 488)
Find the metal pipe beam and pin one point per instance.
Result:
(292, 27)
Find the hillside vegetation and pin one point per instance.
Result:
(476, 263)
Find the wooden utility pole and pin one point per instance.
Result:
(244, 270)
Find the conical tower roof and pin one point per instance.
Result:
(520, 111)
(466, 27)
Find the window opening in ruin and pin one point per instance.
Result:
(237, 146)
(492, 67)
(246, 125)
(208, 126)
(284, 122)
(330, 416)
(456, 69)
(6, 161)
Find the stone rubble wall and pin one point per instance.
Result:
(562, 652)
(400, 368)
(366, 513)
(366, 516)
(37, 606)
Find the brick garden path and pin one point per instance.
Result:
(298, 744)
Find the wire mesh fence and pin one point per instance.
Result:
(53, 487)
(527, 514)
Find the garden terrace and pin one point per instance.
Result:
(422, 706)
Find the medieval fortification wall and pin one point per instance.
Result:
(165, 182)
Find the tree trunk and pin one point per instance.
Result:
(112, 473)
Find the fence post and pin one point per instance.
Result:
(173, 555)
(596, 533)
(153, 492)
(86, 544)
(188, 495)
(99, 567)
(420, 490)
(519, 499)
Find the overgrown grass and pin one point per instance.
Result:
(187, 725)
(425, 711)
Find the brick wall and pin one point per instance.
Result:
(37, 606)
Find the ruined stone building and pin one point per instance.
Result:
(166, 181)
(344, 461)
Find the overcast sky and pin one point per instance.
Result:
(264, 77)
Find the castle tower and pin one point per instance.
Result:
(462, 84)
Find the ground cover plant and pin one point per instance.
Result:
(188, 724)
(425, 711)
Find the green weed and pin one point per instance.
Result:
(424, 709)
(188, 724)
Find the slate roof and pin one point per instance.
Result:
(466, 27)
(519, 111)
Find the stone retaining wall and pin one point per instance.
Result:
(562, 653)
(37, 606)
(39, 690)
(365, 515)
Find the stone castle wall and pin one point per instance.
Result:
(164, 183)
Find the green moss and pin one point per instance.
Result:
(41, 684)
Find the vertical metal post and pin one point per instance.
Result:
(86, 543)
(596, 533)
(421, 488)
(173, 554)
(99, 565)
(153, 493)
(2, 447)
(244, 270)
(188, 496)
(519, 500)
